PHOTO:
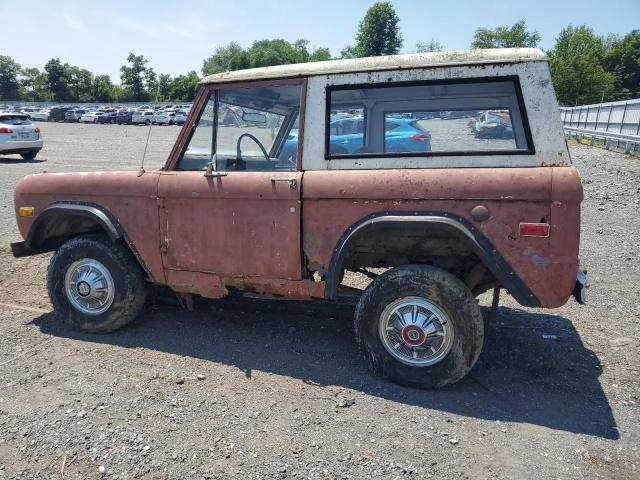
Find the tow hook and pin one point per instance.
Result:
(580, 289)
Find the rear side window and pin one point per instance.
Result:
(464, 117)
(15, 120)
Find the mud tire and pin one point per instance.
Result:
(450, 295)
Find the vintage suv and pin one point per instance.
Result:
(441, 215)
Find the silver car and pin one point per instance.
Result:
(19, 135)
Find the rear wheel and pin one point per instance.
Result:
(147, 122)
(30, 155)
(95, 285)
(419, 326)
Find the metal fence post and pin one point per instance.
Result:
(597, 117)
(609, 117)
(624, 114)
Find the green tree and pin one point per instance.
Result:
(426, 47)
(34, 85)
(9, 85)
(102, 89)
(164, 87)
(231, 57)
(378, 33)
(57, 78)
(577, 69)
(135, 78)
(505, 37)
(80, 82)
(622, 58)
(183, 87)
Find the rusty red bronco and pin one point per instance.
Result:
(439, 175)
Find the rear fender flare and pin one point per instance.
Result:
(459, 226)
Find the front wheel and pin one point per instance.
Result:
(95, 284)
(419, 326)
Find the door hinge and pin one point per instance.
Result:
(163, 249)
(160, 202)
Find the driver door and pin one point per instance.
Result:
(230, 206)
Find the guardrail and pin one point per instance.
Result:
(630, 141)
(611, 122)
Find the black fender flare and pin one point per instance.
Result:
(99, 214)
(94, 212)
(459, 226)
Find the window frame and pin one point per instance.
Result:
(199, 103)
(515, 79)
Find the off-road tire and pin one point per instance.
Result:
(442, 289)
(128, 279)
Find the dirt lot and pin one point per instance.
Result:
(252, 389)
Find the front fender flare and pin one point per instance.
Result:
(459, 226)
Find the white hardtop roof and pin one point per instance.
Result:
(389, 62)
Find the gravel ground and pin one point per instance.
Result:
(256, 389)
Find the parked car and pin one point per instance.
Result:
(494, 124)
(180, 117)
(124, 117)
(347, 137)
(74, 115)
(40, 115)
(57, 114)
(19, 135)
(432, 228)
(108, 117)
(145, 117)
(164, 118)
(90, 117)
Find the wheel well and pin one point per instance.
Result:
(395, 246)
(56, 229)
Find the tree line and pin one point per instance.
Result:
(585, 67)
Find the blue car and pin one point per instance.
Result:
(347, 136)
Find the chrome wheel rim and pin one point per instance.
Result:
(415, 331)
(89, 286)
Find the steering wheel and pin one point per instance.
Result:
(240, 163)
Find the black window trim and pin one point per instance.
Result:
(515, 79)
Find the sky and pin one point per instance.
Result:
(176, 36)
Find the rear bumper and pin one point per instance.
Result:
(20, 147)
(580, 289)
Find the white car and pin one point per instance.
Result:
(181, 117)
(145, 117)
(19, 135)
(40, 115)
(164, 118)
(90, 117)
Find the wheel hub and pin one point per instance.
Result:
(413, 335)
(416, 331)
(89, 286)
(84, 289)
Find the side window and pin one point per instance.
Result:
(257, 128)
(467, 117)
(199, 151)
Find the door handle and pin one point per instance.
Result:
(293, 183)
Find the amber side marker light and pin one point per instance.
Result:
(26, 211)
(534, 229)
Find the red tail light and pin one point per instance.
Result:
(37, 130)
(5, 130)
(421, 136)
(534, 229)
